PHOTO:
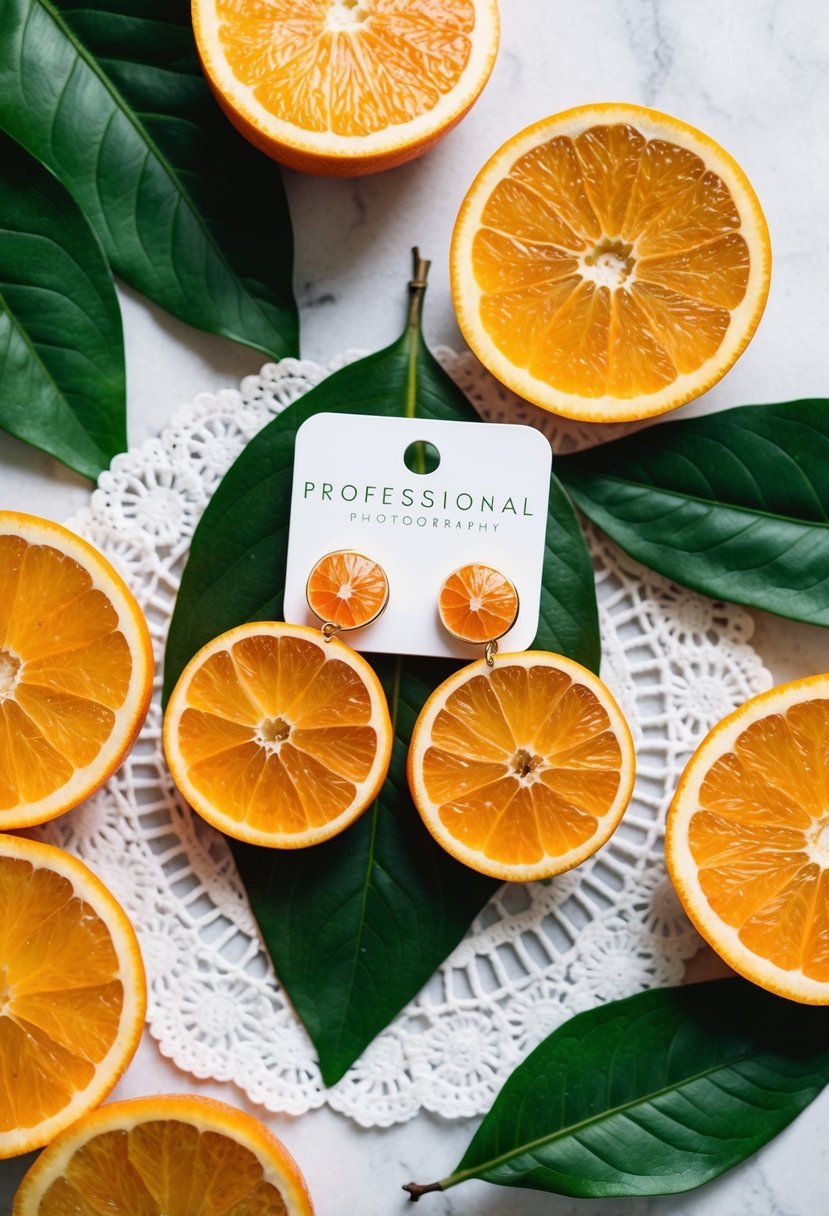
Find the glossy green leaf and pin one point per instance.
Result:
(735, 504)
(112, 98)
(651, 1095)
(62, 385)
(357, 925)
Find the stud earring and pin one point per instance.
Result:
(346, 591)
(279, 734)
(521, 765)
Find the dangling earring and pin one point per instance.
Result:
(478, 604)
(279, 734)
(521, 765)
(346, 590)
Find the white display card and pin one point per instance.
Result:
(486, 501)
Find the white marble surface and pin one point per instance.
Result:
(755, 75)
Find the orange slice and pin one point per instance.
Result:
(276, 736)
(176, 1154)
(523, 769)
(76, 670)
(347, 590)
(72, 993)
(610, 263)
(477, 603)
(747, 842)
(346, 86)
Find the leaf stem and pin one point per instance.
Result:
(417, 291)
(417, 1189)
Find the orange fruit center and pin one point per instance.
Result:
(347, 589)
(351, 67)
(477, 603)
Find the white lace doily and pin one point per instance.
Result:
(538, 953)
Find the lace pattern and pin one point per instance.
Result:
(537, 954)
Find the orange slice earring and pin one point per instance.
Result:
(478, 604)
(279, 734)
(521, 765)
(346, 590)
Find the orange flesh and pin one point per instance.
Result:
(608, 263)
(60, 998)
(162, 1166)
(523, 764)
(65, 668)
(276, 735)
(477, 603)
(351, 67)
(347, 590)
(761, 838)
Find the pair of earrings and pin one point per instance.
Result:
(279, 734)
(476, 603)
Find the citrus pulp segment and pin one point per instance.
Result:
(175, 1154)
(477, 603)
(76, 669)
(523, 769)
(276, 736)
(72, 992)
(347, 589)
(346, 86)
(610, 263)
(747, 841)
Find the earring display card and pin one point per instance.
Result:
(421, 498)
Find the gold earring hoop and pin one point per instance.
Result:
(478, 604)
(346, 590)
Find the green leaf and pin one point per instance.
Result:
(62, 383)
(735, 504)
(357, 925)
(651, 1095)
(111, 97)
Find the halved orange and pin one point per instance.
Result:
(477, 603)
(747, 840)
(524, 768)
(72, 992)
(346, 86)
(610, 263)
(174, 1154)
(276, 736)
(347, 590)
(76, 669)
